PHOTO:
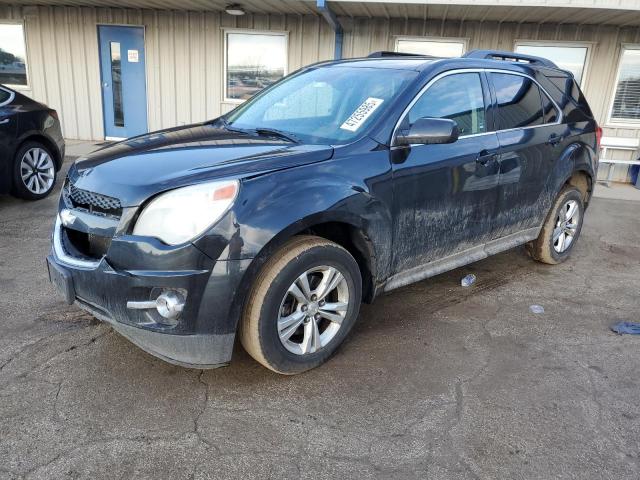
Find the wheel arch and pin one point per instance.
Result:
(339, 227)
(583, 181)
(39, 137)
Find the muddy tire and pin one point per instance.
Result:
(561, 228)
(302, 305)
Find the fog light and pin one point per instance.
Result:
(170, 304)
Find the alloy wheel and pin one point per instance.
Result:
(313, 309)
(567, 223)
(37, 170)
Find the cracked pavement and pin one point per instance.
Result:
(436, 381)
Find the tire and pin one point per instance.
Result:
(37, 157)
(270, 301)
(546, 248)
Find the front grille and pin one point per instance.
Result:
(92, 202)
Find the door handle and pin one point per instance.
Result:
(5, 121)
(555, 139)
(485, 157)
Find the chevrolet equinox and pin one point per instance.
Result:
(343, 180)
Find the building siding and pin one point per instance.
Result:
(184, 56)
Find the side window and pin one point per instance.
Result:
(457, 97)
(549, 110)
(4, 96)
(519, 103)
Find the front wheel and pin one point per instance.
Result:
(561, 228)
(302, 305)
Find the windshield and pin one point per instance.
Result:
(328, 105)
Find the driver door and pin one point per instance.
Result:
(445, 195)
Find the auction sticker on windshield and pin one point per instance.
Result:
(364, 111)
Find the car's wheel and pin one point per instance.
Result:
(34, 171)
(561, 229)
(302, 305)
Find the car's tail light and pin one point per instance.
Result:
(54, 114)
(598, 137)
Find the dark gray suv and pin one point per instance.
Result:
(342, 181)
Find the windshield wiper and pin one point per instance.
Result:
(227, 126)
(272, 132)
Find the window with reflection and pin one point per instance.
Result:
(253, 61)
(519, 103)
(13, 55)
(626, 102)
(5, 95)
(456, 97)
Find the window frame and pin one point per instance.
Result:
(412, 38)
(551, 43)
(610, 121)
(491, 108)
(12, 95)
(225, 35)
(26, 54)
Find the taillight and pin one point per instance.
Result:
(598, 136)
(54, 114)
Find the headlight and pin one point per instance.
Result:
(182, 214)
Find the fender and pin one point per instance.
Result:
(274, 207)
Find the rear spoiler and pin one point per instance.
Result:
(509, 57)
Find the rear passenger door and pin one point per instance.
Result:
(530, 141)
(445, 195)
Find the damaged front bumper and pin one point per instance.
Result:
(203, 334)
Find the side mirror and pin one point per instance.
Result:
(429, 130)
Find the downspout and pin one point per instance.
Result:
(334, 23)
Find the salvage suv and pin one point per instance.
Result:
(340, 182)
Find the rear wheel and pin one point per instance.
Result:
(561, 228)
(302, 305)
(34, 171)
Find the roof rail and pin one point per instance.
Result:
(396, 54)
(509, 57)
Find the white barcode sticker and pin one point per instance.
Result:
(364, 111)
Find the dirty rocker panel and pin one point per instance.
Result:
(461, 258)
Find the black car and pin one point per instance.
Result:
(342, 181)
(31, 146)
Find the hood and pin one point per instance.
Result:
(137, 168)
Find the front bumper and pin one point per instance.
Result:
(204, 334)
(191, 351)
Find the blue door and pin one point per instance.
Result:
(124, 91)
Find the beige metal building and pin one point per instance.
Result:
(195, 59)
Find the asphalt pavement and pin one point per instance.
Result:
(436, 381)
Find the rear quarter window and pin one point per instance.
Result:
(519, 102)
(569, 88)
